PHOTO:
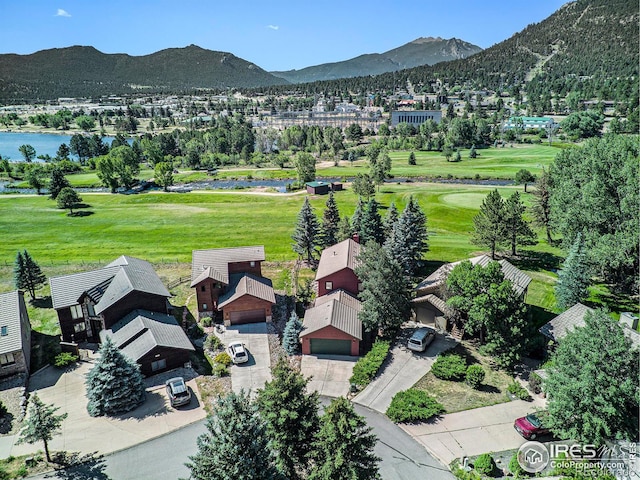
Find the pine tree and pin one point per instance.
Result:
(390, 219)
(291, 334)
(115, 384)
(306, 234)
(573, 278)
(517, 230)
(344, 445)
(488, 223)
(236, 444)
(41, 423)
(541, 204)
(408, 241)
(68, 198)
(356, 218)
(412, 158)
(344, 229)
(292, 419)
(57, 182)
(385, 291)
(27, 274)
(371, 229)
(330, 223)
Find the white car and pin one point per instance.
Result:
(238, 352)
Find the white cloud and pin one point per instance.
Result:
(273, 27)
(62, 13)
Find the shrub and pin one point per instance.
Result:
(484, 465)
(519, 391)
(535, 383)
(65, 358)
(223, 358)
(3, 409)
(449, 367)
(514, 466)
(475, 375)
(366, 368)
(413, 405)
(220, 370)
(206, 321)
(212, 342)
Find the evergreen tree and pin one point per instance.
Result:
(517, 230)
(385, 291)
(115, 384)
(343, 448)
(408, 240)
(488, 223)
(236, 444)
(57, 182)
(371, 229)
(291, 335)
(330, 223)
(356, 219)
(573, 278)
(412, 158)
(306, 234)
(344, 229)
(473, 153)
(390, 219)
(292, 419)
(41, 423)
(594, 378)
(68, 198)
(27, 274)
(540, 204)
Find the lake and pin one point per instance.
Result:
(44, 143)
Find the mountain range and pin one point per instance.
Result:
(422, 51)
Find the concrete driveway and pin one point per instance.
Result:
(329, 373)
(252, 375)
(402, 369)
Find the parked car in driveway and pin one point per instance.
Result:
(530, 426)
(238, 352)
(178, 391)
(421, 339)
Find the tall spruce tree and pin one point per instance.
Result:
(517, 229)
(291, 335)
(236, 444)
(489, 223)
(356, 218)
(540, 204)
(292, 418)
(390, 219)
(27, 274)
(57, 182)
(330, 223)
(343, 448)
(307, 233)
(344, 229)
(573, 277)
(372, 229)
(115, 384)
(408, 241)
(41, 423)
(385, 295)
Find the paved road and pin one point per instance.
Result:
(163, 458)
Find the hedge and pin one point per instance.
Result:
(413, 405)
(449, 367)
(366, 368)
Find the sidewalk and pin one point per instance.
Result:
(85, 434)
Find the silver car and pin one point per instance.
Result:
(178, 391)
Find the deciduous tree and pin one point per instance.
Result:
(68, 198)
(163, 174)
(524, 176)
(305, 166)
(363, 186)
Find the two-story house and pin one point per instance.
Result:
(336, 269)
(15, 335)
(229, 281)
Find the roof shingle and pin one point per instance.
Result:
(333, 313)
(247, 284)
(338, 257)
(11, 308)
(214, 263)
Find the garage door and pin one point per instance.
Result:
(248, 316)
(330, 347)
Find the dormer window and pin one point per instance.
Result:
(328, 285)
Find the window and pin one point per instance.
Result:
(7, 359)
(79, 327)
(203, 288)
(328, 285)
(90, 310)
(252, 264)
(76, 312)
(158, 365)
(4, 330)
(204, 306)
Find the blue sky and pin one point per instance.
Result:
(274, 34)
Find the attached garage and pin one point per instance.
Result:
(249, 300)
(247, 316)
(320, 346)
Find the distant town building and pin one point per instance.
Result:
(415, 117)
(528, 123)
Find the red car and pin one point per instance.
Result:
(530, 427)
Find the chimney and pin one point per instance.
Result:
(356, 238)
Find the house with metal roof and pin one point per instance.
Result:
(229, 281)
(332, 325)
(336, 269)
(154, 340)
(88, 302)
(15, 335)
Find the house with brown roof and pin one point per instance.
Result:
(230, 281)
(336, 269)
(332, 326)
(15, 335)
(89, 302)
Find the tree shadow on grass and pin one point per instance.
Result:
(44, 302)
(537, 261)
(74, 466)
(81, 213)
(488, 389)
